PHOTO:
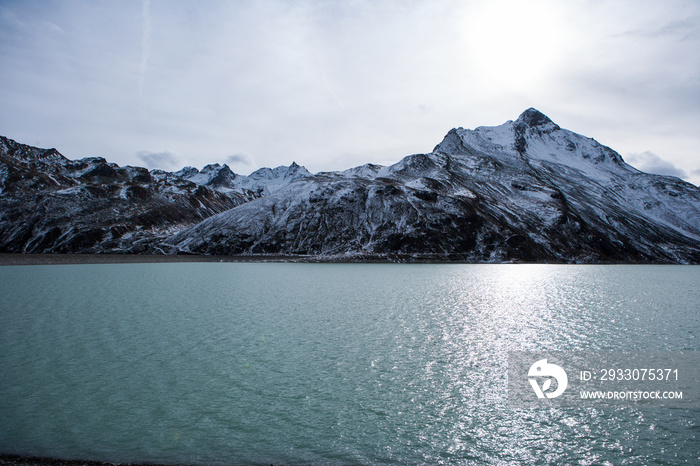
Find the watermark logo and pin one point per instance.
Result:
(604, 378)
(541, 369)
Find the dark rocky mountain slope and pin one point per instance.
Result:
(49, 204)
(526, 190)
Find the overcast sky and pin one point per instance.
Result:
(335, 84)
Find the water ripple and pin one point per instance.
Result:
(333, 364)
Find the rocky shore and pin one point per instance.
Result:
(58, 259)
(16, 460)
(62, 259)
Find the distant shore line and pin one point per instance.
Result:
(17, 460)
(79, 259)
(66, 259)
(63, 259)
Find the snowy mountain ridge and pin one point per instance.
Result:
(526, 190)
(550, 150)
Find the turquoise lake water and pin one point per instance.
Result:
(260, 363)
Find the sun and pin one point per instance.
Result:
(514, 44)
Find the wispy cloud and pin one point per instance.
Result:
(242, 160)
(53, 27)
(145, 41)
(10, 18)
(335, 96)
(165, 160)
(681, 29)
(651, 163)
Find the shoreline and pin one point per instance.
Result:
(82, 259)
(8, 259)
(19, 460)
(67, 259)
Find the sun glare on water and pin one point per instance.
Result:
(513, 44)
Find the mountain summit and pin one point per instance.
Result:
(526, 190)
(533, 117)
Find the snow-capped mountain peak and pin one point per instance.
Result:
(534, 138)
(524, 190)
(534, 118)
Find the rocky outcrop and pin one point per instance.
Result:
(50, 204)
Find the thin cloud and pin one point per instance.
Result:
(145, 42)
(54, 27)
(165, 160)
(682, 29)
(8, 17)
(651, 163)
(241, 159)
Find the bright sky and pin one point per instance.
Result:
(335, 84)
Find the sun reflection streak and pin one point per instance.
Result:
(481, 317)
